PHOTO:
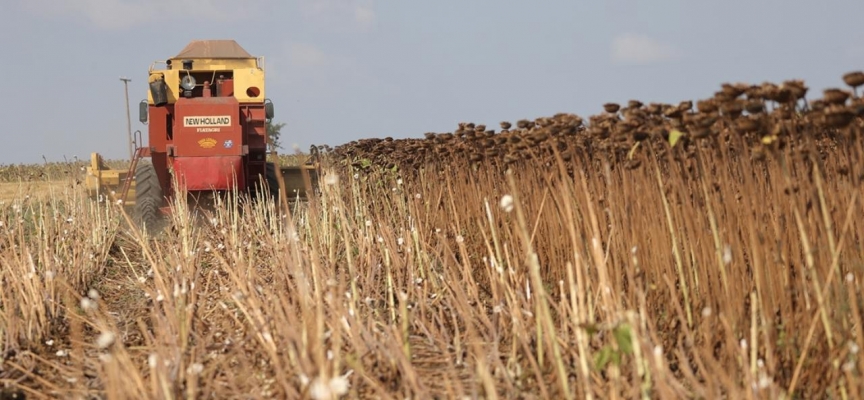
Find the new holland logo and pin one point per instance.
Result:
(207, 143)
(207, 121)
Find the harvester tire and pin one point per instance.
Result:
(272, 183)
(148, 196)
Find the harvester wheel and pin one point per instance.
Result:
(272, 181)
(272, 184)
(148, 196)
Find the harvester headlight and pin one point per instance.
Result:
(188, 82)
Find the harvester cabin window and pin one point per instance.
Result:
(208, 76)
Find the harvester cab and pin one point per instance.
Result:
(207, 117)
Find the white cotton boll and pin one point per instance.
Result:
(105, 339)
(195, 369)
(339, 385)
(320, 390)
(88, 304)
(335, 387)
(507, 203)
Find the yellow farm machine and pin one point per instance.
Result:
(207, 118)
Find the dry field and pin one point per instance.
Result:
(650, 251)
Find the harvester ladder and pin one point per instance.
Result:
(130, 175)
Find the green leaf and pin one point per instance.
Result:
(603, 357)
(674, 136)
(616, 358)
(624, 337)
(590, 328)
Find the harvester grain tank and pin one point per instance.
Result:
(206, 114)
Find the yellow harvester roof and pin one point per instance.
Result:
(218, 49)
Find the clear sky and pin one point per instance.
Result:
(343, 70)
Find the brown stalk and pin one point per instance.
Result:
(675, 251)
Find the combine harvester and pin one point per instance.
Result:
(207, 117)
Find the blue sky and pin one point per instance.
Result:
(343, 70)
